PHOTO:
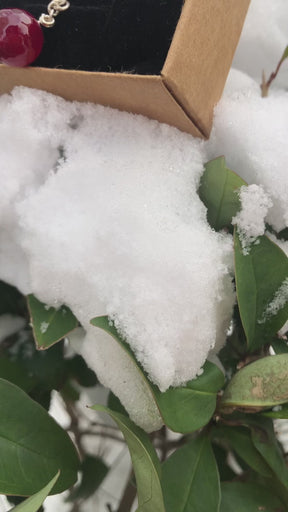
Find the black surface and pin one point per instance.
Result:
(107, 35)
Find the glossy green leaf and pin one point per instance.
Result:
(145, 462)
(33, 503)
(265, 441)
(190, 478)
(218, 191)
(240, 441)
(188, 408)
(93, 471)
(247, 497)
(263, 383)
(49, 324)
(32, 446)
(260, 275)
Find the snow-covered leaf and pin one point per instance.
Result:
(262, 288)
(183, 409)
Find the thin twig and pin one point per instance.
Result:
(90, 432)
(265, 85)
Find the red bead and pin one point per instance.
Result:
(21, 37)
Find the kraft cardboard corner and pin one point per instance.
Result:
(201, 54)
(191, 81)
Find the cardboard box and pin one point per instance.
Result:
(191, 81)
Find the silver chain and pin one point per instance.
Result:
(53, 9)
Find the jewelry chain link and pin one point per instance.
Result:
(53, 8)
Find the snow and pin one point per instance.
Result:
(263, 40)
(250, 220)
(251, 132)
(279, 300)
(43, 327)
(99, 211)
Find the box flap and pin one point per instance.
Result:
(201, 55)
(146, 95)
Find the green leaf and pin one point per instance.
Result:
(186, 409)
(33, 503)
(265, 441)
(246, 497)
(240, 441)
(190, 478)
(218, 191)
(263, 383)
(32, 446)
(280, 412)
(145, 462)
(49, 324)
(280, 346)
(260, 275)
(93, 470)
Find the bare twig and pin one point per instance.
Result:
(266, 83)
(90, 432)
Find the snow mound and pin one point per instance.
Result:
(101, 213)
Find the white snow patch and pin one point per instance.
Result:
(263, 40)
(43, 327)
(250, 220)
(278, 302)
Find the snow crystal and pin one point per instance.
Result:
(43, 327)
(263, 40)
(10, 324)
(111, 223)
(250, 220)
